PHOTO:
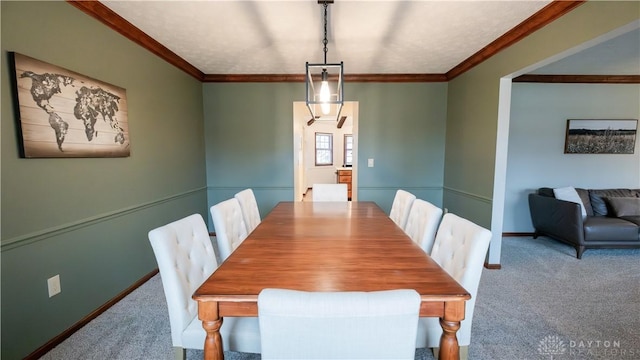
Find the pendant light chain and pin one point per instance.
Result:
(325, 41)
(324, 81)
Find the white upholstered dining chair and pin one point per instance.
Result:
(249, 206)
(230, 226)
(422, 223)
(460, 249)
(330, 192)
(400, 207)
(185, 259)
(338, 325)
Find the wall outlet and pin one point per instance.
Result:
(370, 163)
(53, 283)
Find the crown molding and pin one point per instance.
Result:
(396, 77)
(549, 13)
(253, 78)
(578, 79)
(347, 78)
(108, 17)
(535, 22)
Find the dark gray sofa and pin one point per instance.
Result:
(612, 220)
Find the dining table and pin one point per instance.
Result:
(328, 246)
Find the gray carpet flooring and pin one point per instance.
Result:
(543, 304)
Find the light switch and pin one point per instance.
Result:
(370, 163)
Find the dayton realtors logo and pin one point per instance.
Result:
(554, 347)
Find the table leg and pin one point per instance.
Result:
(450, 323)
(211, 322)
(449, 348)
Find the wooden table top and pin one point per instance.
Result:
(328, 246)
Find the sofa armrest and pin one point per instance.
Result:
(557, 218)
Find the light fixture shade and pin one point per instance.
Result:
(333, 74)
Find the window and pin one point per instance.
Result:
(324, 149)
(348, 149)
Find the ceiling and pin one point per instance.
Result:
(370, 36)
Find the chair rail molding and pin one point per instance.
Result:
(467, 194)
(30, 238)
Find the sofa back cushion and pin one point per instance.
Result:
(569, 193)
(583, 193)
(598, 202)
(623, 206)
(545, 191)
(586, 200)
(633, 219)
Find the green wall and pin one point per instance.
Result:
(402, 127)
(473, 101)
(249, 139)
(87, 219)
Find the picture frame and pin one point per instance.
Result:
(64, 114)
(600, 136)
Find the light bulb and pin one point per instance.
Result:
(325, 96)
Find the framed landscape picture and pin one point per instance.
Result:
(593, 136)
(61, 113)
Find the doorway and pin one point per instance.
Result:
(305, 171)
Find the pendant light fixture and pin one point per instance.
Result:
(324, 81)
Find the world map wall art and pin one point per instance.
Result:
(64, 114)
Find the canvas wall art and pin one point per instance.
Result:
(65, 114)
(593, 136)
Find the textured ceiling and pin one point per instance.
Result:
(371, 37)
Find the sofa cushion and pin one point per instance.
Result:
(623, 206)
(545, 191)
(597, 198)
(633, 219)
(586, 201)
(569, 193)
(602, 228)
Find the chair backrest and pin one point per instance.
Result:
(230, 227)
(185, 259)
(330, 192)
(401, 206)
(422, 223)
(250, 211)
(338, 325)
(460, 249)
